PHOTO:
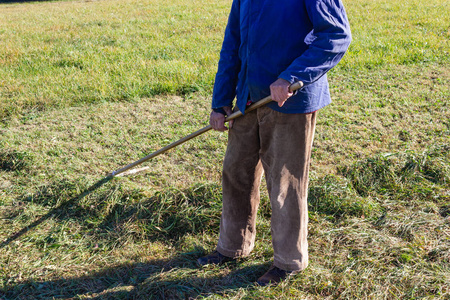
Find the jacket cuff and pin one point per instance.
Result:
(220, 110)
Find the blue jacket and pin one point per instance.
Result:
(290, 39)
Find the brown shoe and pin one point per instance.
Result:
(274, 276)
(214, 258)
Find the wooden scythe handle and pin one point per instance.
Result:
(295, 86)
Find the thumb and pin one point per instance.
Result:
(228, 110)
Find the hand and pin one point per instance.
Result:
(217, 120)
(279, 91)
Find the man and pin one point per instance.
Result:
(269, 45)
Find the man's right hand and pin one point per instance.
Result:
(217, 120)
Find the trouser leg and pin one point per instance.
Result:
(286, 141)
(242, 172)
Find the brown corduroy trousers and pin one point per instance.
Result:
(279, 145)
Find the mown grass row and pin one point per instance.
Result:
(360, 191)
(112, 216)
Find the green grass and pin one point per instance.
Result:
(88, 87)
(76, 52)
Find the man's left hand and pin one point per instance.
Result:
(279, 91)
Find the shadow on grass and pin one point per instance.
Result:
(60, 210)
(110, 213)
(175, 278)
(14, 160)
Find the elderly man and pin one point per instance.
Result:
(269, 45)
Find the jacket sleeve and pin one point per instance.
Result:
(329, 41)
(229, 62)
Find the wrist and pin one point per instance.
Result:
(220, 110)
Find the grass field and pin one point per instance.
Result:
(87, 87)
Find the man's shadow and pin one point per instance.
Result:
(102, 208)
(178, 277)
(175, 278)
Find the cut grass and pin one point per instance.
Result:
(89, 87)
(361, 230)
(419, 176)
(14, 161)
